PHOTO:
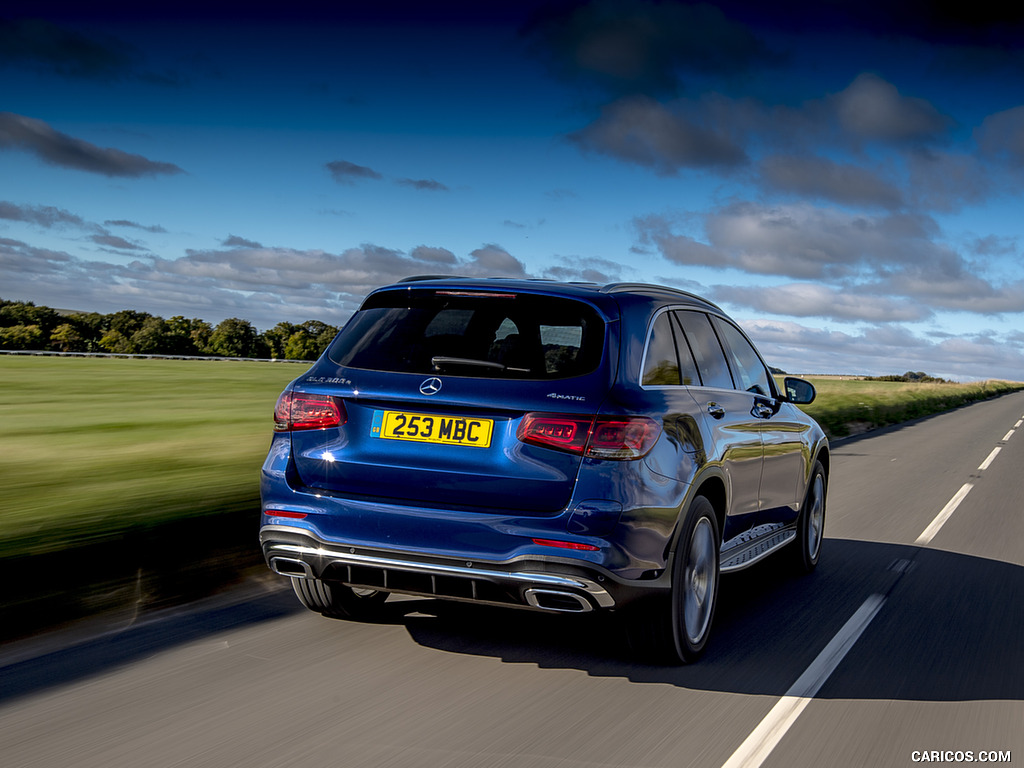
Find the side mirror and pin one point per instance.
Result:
(798, 391)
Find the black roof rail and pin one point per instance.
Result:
(652, 287)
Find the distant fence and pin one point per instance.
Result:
(48, 353)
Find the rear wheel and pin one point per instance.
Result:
(810, 528)
(676, 630)
(338, 601)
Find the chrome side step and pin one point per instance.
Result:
(755, 544)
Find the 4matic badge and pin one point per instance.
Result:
(574, 398)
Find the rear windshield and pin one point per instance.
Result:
(472, 333)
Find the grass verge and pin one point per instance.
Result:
(847, 406)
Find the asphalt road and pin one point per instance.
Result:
(913, 633)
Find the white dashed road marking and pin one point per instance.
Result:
(769, 732)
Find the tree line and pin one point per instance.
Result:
(24, 326)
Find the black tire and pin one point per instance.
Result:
(675, 630)
(338, 601)
(810, 529)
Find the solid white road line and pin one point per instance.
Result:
(985, 464)
(940, 519)
(769, 732)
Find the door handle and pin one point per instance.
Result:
(716, 410)
(762, 411)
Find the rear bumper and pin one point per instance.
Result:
(523, 583)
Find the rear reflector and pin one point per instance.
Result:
(285, 513)
(298, 410)
(566, 545)
(601, 437)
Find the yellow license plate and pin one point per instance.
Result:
(432, 428)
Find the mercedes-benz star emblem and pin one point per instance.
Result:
(431, 386)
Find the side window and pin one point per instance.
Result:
(750, 373)
(687, 366)
(707, 352)
(661, 366)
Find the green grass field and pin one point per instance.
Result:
(850, 406)
(94, 447)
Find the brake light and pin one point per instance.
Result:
(299, 410)
(601, 437)
(623, 438)
(562, 432)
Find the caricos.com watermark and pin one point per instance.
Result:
(960, 756)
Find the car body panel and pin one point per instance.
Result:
(514, 505)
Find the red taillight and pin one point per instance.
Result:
(560, 431)
(599, 437)
(298, 410)
(623, 438)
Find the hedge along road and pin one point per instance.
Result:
(905, 642)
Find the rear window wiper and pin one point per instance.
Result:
(441, 361)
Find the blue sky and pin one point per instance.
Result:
(845, 179)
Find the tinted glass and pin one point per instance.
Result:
(687, 365)
(661, 365)
(472, 334)
(747, 368)
(707, 352)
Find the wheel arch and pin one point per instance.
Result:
(713, 488)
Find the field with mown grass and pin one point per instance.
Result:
(849, 406)
(94, 447)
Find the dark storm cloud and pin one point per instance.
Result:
(643, 47)
(44, 46)
(56, 148)
(345, 172)
(41, 215)
(428, 185)
(873, 109)
(116, 243)
(947, 181)
(816, 177)
(494, 261)
(719, 133)
(994, 245)
(1001, 136)
(643, 131)
(585, 269)
(154, 228)
(233, 241)
(430, 255)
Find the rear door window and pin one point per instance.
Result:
(707, 352)
(668, 361)
(473, 334)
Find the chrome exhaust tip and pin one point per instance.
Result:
(555, 600)
(286, 566)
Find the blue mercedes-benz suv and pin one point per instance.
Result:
(549, 446)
